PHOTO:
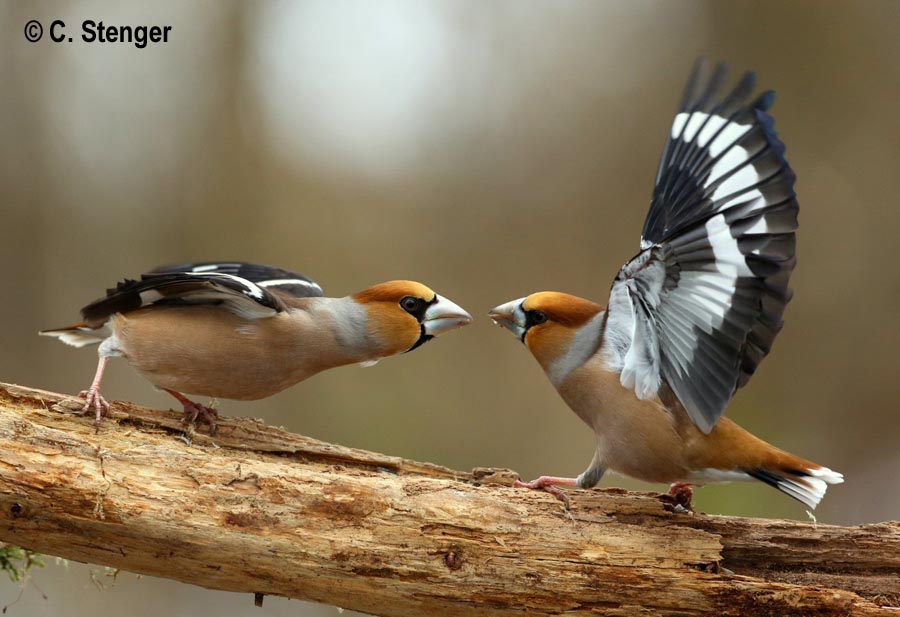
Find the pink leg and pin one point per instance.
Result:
(92, 395)
(548, 484)
(683, 494)
(192, 410)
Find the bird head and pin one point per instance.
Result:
(404, 315)
(547, 322)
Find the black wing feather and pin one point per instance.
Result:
(721, 224)
(199, 284)
(276, 279)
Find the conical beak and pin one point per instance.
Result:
(443, 316)
(510, 316)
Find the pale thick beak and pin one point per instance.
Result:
(510, 316)
(443, 316)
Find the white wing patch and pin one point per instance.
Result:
(640, 370)
(619, 329)
(150, 296)
(209, 267)
(635, 347)
(721, 139)
(251, 289)
(279, 282)
(729, 260)
(737, 184)
(247, 302)
(257, 274)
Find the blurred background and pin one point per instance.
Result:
(486, 149)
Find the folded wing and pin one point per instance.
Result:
(269, 277)
(252, 291)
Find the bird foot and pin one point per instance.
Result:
(192, 410)
(683, 494)
(93, 398)
(548, 485)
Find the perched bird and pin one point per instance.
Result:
(691, 316)
(246, 331)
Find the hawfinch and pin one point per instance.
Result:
(691, 316)
(246, 331)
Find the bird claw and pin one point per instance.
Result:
(546, 484)
(192, 410)
(93, 398)
(683, 495)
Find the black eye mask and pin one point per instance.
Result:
(533, 318)
(419, 313)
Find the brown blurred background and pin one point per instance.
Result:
(486, 149)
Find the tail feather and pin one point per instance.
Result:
(805, 485)
(78, 335)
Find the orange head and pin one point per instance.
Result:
(547, 322)
(403, 315)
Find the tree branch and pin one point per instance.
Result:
(260, 510)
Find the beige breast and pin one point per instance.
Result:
(209, 351)
(656, 441)
(634, 437)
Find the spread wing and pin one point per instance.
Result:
(699, 307)
(248, 290)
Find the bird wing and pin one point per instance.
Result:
(275, 279)
(699, 307)
(248, 290)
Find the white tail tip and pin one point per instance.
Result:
(810, 489)
(829, 476)
(77, 337)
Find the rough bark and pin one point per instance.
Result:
(260, 510)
